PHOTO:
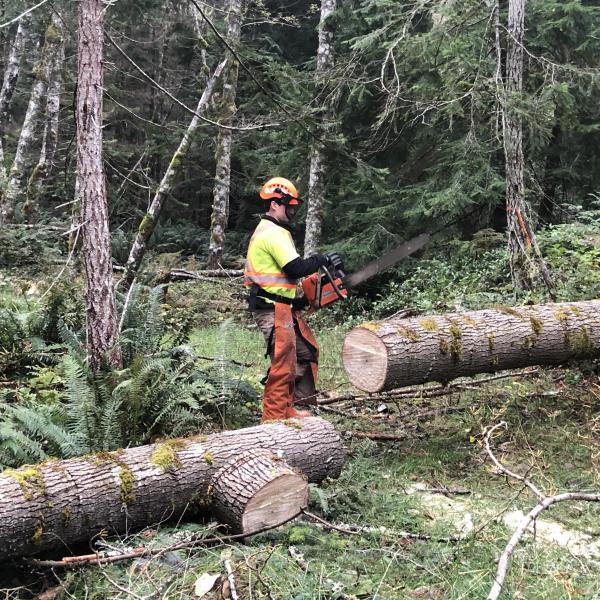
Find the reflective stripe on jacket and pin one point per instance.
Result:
(271, 247)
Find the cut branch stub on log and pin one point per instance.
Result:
(59, 503)
(257, 490)
(384, 355)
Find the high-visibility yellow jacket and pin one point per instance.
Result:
(271, 247)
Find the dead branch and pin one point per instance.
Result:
(425, 392)
(544, 503)
(183, 274)
(142, 552)
(360, 530)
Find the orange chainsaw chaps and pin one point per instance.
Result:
(307, 334)
(279, 389)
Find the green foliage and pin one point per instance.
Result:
(66, 410)
(31, 248)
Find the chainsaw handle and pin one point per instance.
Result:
(333, 283)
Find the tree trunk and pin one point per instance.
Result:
(9, 83)
(527, 265)
(101, 310)
(318, 172)
(64, 502)
(15, 192)
(50, 137)
(226, 108)
(385, 355)
(149, 221)
(13, 66)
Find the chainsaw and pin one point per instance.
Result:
(328, 285)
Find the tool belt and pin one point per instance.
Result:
(256, 302)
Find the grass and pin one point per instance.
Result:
(552, 437)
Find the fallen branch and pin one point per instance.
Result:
(143, 552)
(530, 517)
(360, 530)
(378, 436)
(424, 392)
(207, 273)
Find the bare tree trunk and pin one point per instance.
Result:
(50, 137)
(14, 192)
(318, 172)
(526, 262)
(13, 65)
(226, 108)
(149, 221)
(63, 502)
(385, 355)
(9, 83)
(101, 311)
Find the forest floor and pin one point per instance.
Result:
(433, 478)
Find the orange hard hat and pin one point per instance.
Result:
(278, 188)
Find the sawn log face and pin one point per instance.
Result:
(61, 502)
(385, 355)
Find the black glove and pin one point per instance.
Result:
(300, 303)
(335, 261)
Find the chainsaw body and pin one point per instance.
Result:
(324, 287)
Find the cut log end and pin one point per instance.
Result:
(365, 359)
(278, 501)
(258, 490)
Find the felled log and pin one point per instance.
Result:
(384, 355)
(59, 503)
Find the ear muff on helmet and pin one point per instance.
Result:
(281, 190)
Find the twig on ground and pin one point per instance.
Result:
(544, 503)
(424, 392)
(382, 436)
(501, 468)
(359, 530)
(206, 273)
(231, 580)
(98, 559)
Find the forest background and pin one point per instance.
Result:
(400, 127)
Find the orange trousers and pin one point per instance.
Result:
(285, 372)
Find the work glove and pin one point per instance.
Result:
(334, 261)
(300, 303)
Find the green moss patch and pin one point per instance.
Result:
(30, 480)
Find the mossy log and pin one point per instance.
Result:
(384, 355)
(59, 503)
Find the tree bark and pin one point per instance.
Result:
(318, 171)
(50, 137)
(149, 221)
(527, 265)
(14, 192)
(385, 355)
(13, 66)
(226, 108)
(59, 503)
(101, 311)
